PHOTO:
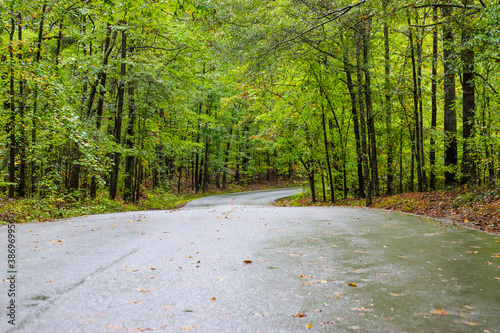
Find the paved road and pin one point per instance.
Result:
(237, 264)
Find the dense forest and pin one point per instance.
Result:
(359, 98)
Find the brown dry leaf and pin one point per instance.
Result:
(138, 329)
(57, 241)
(153, 269)
(187, 328)
(144, 290)
(361, 309)
(353, 285)
(133, 302)
(299, 315)
(257, 314)
(466, 322)
(213, 299)
(49, 281)
(337, 296)
(397, 295)
(116, 327)
(247, 261)
(314, 282)
(469, 307)
(304, 276)
(473, 252)
(130, 270)
(440, 312)
(496, 255)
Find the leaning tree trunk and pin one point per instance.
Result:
(113, 185)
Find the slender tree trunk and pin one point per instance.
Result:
(388, 108)
(128, 192)
(21, 188)
(362, 118)
(450, 113)
(327, 155)
(416, 115)
(468, 109)
(113, 186)
(370, 118)
(33, 167)
(432, 154)
(355, 116)
(12, 119)
(59, 41)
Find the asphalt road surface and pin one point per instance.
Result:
(235, 263)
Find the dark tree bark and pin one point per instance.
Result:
(355, 116)
(327, 156)
(113, 185)
(11, 127)
(416, 113)
(468, 107)
(450, 113)
(388, 108)
(128, 191)
(432, 154)
(362, 119)
(21, 188)
(370, 118)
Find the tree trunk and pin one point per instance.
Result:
(432, 154)
(362, 120)
(355, 116)
(113, 186)
(468, 109)
(128, 191)
(388, 108)
(327, 155)
(11, 128)
(450, 113)
(370, 119)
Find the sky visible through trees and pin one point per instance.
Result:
(361, 98)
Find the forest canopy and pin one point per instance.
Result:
(359, 98)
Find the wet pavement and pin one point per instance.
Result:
(235, 263)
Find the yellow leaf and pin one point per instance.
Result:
(440, 312)
(353, 284)
(309, 326)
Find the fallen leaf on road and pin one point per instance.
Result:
(337, 296)
(257, 314)
(397, 295)
(187, 328)
(138, 329)
(440, 312)
(153, 269)
(213, 299)
(144, 291)
(314, 282)
(57, 241)
(353, 285)
(49, 281)
(247, 261)
(299, 315)
(361, 309)
(309, 326)
(466, 322)
(133, 302)
(116, 327)
(130, 270)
